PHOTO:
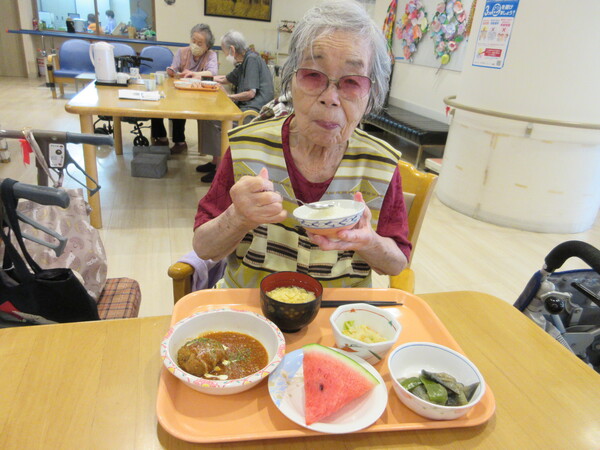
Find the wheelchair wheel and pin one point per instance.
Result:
(141, 141)
(101, 130)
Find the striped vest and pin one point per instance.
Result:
(367, 166)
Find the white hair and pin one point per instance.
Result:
(236, 39)
(347, 16)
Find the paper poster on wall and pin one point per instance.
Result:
(494, 33)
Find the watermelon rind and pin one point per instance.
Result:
(342, 358)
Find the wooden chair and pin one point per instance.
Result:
(417, 187)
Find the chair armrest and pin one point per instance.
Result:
(53, 61)
(52, 64)
(181, 273)
(248, 113)
(404, 281)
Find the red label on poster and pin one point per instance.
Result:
(494, 52)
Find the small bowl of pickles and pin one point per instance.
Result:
(365, 330)
(435, 381)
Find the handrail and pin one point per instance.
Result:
(559, 123)
(99, 37)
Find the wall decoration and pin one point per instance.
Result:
(426, 54)
(239, 9)
(388, 27)
(411, 27)
(448, 28)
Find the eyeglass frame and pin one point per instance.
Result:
(336, 82)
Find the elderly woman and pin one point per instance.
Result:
(253, 87)
(337, 70)
(196, 60)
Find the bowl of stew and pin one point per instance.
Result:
(223, 351)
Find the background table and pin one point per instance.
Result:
(94, 384)
(177, 104)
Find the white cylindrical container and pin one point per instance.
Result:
(530, 176)
(548, 181)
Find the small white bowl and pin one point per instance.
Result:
(344, 214)
(226, 319)
(409, 359)
(383, 321)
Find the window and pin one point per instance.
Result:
(53, 15)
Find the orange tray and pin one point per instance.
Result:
(251, 415)
(191, 88)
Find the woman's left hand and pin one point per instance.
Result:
(359, 237)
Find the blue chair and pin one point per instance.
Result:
(122, 49)
(162, 58)
(73, 59)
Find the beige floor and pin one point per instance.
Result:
(148, 222)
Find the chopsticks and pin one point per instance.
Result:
(336, 303)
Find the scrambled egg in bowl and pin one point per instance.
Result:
(291, 294)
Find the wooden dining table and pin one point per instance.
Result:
(96, 100)
(95, 384)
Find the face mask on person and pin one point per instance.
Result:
(196, 49)
(230, 56)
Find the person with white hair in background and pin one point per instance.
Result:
(252, 87)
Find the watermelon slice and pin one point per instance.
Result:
(331, 381)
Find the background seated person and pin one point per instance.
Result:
(197, 59)
(110, 21)
(92, 25)
(252, 88)
(338, 69)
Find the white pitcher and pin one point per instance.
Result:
(103, 59)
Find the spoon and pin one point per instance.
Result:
(317, 205)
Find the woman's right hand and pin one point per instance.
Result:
(255, 201)
(171, 72)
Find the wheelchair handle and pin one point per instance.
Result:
(92, 139)
(584, 251)
(60, 137)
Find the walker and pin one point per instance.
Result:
(567, 304)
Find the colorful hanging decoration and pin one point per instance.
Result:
(388, 27)
(448, 28)
(411, 27)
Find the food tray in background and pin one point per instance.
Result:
(251, 415)
(194, 86)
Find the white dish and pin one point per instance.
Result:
(286, 387)
(381, 320)
(409, 359)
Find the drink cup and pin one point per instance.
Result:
(150, 84)
(122, 77)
